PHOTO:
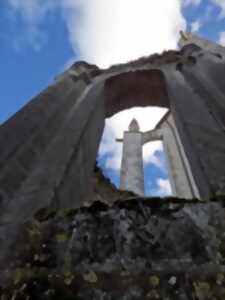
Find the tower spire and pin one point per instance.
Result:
(134, 126)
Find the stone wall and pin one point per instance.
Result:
(52, 143)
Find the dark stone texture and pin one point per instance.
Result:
(137, 249)
(48, 165)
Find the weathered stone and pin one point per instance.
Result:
(134, 249)
(109, 249)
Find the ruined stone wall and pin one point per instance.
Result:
(50, 156)
(137, 248)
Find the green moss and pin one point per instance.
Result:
(154, 280)
(153, 294)
(213, 271)
(91, 277)
(203, 291)
(61, 238)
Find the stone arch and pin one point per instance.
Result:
(135, 88)
(149, 88)
(138, 88)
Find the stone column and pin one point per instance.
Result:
(132, 172)
(181, 179)
(57, 158)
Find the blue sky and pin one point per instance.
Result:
(39, 38)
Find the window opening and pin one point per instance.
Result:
(156, 178)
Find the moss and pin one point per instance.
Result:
(45, 214)
(61, 238)
(125, 273)
(220, 277)
(153, 294)
(69, 277)
(154, 280)
(43, 256)
(203, 291)
(91, 277)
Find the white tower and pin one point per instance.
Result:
(132, 172)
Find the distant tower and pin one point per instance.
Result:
(132, 173)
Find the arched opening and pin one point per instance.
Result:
(138, 88)
(156, 175)
(144, 91)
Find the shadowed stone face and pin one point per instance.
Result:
(139, 88)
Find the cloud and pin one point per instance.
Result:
(222, 38)
(32, 12)
(115, 31)
(204, 18)
(109, 32)
(163, 188)
(221, 4)
(115, 126)
(195, 26)
(190, 2)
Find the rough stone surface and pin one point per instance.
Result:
(139, 248)
(53, 247)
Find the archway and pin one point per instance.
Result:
(142, 88)
(135, 88)
(156, 179)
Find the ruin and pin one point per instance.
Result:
(48, 174)
(132, 173)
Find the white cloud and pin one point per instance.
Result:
(191, 2)
(163, 188)
(115, 126)
(195, 26)
(221, 4)
(115, 31)
(222, 38)
(32, 12)
(204, 18)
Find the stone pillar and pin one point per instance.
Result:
(132, 172)
(55, 154)
(194, 123)
(181, 179)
